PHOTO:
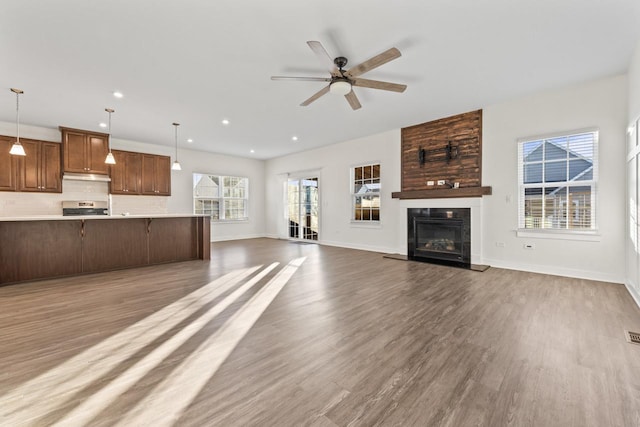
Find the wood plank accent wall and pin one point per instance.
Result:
(464, 131)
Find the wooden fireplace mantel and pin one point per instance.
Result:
(442, 193)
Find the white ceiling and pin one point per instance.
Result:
(198, 62)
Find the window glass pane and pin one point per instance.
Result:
(555, 148)
(532, 173)
(532, 151)
(580, 207)
(533, 208)
(358, 173)
(555, 207)
(367, 172)
(375, 214)
(555, 171)
(376, 171)
(580, 170)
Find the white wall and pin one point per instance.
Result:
(180, 201)
(333, 163)
(601, 104)
(632, 279)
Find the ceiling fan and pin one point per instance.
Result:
(342, 81)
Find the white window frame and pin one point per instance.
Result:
(551, 232)
(222, 199)
(354, 195)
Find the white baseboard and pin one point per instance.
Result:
(556, 271)
(227, 238)
(634, 294)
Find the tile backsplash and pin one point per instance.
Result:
(17, 204)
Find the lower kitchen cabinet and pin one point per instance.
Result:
(109, 244)
(39, 249)
(172, 239)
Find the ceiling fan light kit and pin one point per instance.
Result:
(340, 87)
(342, 81)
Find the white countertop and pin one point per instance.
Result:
(79, 217)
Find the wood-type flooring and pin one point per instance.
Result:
(273, 333)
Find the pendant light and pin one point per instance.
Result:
(110, 160)
(176, 165)
(17, 149)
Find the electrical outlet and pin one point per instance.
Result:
(441, 182)
(429, 182)
(529, 246)
(456, 185)
(501, 244)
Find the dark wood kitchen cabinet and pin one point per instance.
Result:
(84, 151)
(32, 250)
(109, 244)
(126, 174)
(39, 170)
(172, 239)
(8, 165)
(156, 175)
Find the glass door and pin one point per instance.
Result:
(302, 196)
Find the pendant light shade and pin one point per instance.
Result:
(110, 160)
(176, 164)
(17, 149)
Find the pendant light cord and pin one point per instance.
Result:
(17, 118)
(175, 125)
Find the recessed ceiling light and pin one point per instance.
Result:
(118, 94)
(189, 140)
(253, 151)
(103, 125)
(225, 122)
(294, 138)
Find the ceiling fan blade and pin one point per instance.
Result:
(315, 96)
(376, 84)
(375, 62)
(302, 79)
(353, 100)
(322, 54)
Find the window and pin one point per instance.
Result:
(557, 178)
(223, 197)
(365, 193)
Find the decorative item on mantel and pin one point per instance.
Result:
(110, 160)
(443, 158)
(17, 149)
(176, 165)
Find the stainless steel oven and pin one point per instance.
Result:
(84, 207)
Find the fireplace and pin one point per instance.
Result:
(440, 235)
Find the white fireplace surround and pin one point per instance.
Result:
(474, 203)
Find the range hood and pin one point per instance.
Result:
(85, 177)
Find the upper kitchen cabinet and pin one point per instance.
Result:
(8, 165)
(126, 174)
(84, 151)
(39, 170)
(156, 175)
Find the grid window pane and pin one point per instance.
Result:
(221, 197)
(558, 179)
(366, 189)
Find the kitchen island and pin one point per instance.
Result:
(52, 246)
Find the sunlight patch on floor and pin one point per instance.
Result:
(167, 402)
(52, 389)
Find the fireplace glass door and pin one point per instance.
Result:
(439, 238)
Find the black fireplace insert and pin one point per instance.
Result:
(440, 235)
